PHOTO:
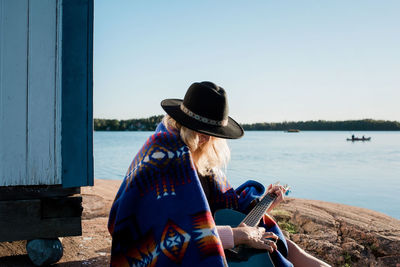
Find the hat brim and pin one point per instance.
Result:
(231, 131)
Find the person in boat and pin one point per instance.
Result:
(162, 214)
(352, 137)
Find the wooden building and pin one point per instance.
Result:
(46, 118)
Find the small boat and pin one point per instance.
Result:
(359, 139)
(293, 131)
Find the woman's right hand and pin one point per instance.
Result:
(254, 237)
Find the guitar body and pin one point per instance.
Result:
(244, 256)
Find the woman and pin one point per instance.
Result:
(162, 214)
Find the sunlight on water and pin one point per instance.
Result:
(317, 165)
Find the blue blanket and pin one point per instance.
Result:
(161, 215)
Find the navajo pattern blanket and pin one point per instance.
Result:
(161, 215)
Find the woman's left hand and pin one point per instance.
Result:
(279, 191)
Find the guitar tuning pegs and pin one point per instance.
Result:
(287, 188)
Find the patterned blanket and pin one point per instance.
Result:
(161, 215)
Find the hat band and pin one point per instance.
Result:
(201, 118)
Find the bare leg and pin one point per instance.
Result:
(299, 257)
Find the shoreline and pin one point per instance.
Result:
(338, 233)
(310, 199)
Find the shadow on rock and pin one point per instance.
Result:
(12, 261)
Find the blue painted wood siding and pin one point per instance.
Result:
(77, 93)
(30, 92)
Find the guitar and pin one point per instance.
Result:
(242, 255)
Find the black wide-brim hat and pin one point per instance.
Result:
(204, 109)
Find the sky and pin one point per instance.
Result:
(277, 60)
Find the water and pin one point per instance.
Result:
(317, 165)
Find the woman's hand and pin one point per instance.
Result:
(254, 237)
(279, 191)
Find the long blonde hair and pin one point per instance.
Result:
(211, 156)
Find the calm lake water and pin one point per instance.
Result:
(317, 165)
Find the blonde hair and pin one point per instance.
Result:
(211, 156)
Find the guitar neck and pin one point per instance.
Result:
(253, 218)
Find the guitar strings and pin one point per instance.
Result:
(258, 211)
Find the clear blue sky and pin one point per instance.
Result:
(277, 60)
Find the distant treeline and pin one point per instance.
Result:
(149, 124)
(321, 125)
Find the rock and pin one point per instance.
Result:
(44, 251)
(341, 234)
(389, 261)
(338, 234)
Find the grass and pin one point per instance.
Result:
(280, 213)
(283, 219)
(347, 260)
(288, 226)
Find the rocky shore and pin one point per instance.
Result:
(339, 234)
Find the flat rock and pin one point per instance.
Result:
(341, 234)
